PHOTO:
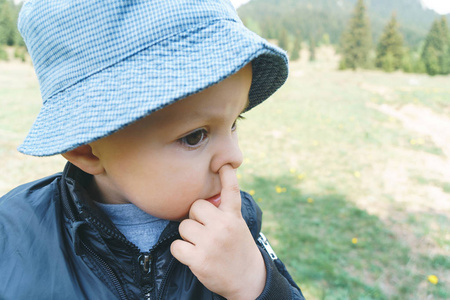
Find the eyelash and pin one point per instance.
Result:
(234, 127)
(204, 135)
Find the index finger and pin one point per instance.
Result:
(231, 193)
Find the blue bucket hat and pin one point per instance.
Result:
(104, 64)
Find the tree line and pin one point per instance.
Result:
(433, 57)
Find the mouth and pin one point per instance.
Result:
(215, 200)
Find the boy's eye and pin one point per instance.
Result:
(240, 117)
(195, 138)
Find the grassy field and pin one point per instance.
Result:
(352, 170)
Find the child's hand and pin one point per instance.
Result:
(218, 247)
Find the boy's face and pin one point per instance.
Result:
(168, 160)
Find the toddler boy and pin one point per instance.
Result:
(142, 99)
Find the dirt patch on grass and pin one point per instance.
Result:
(424, 121)
(413, 198)
(383, 91)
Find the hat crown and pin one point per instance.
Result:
(70, 40)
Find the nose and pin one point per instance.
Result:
(227, 152)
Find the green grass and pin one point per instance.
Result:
(327, 166)
(313, 234)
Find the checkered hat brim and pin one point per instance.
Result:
(177, 66)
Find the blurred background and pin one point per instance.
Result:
(349, 160)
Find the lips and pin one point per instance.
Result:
(215, 200)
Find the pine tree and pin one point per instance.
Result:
(296, 48)
(390, 47)
(356, 41)
(435, 53)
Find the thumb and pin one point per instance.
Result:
(231, 193)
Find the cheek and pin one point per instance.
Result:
(167, 188)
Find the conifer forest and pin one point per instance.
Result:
(387, 35)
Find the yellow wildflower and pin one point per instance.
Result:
(301, 176)
(251, 192)
(354, 240)
(280, 189)
(433, 279)
(259, 199)
(310, 200)
(357, 174)
(292, 170)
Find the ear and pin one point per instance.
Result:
(84, 158)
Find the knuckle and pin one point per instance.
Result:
(198, 205)
(195, 205)
(175, 248)
(195, 208)
(183, 227)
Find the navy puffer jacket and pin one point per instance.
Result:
(55, 244)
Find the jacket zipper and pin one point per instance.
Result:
(109, 271)
(144, 259)
(145, 262)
